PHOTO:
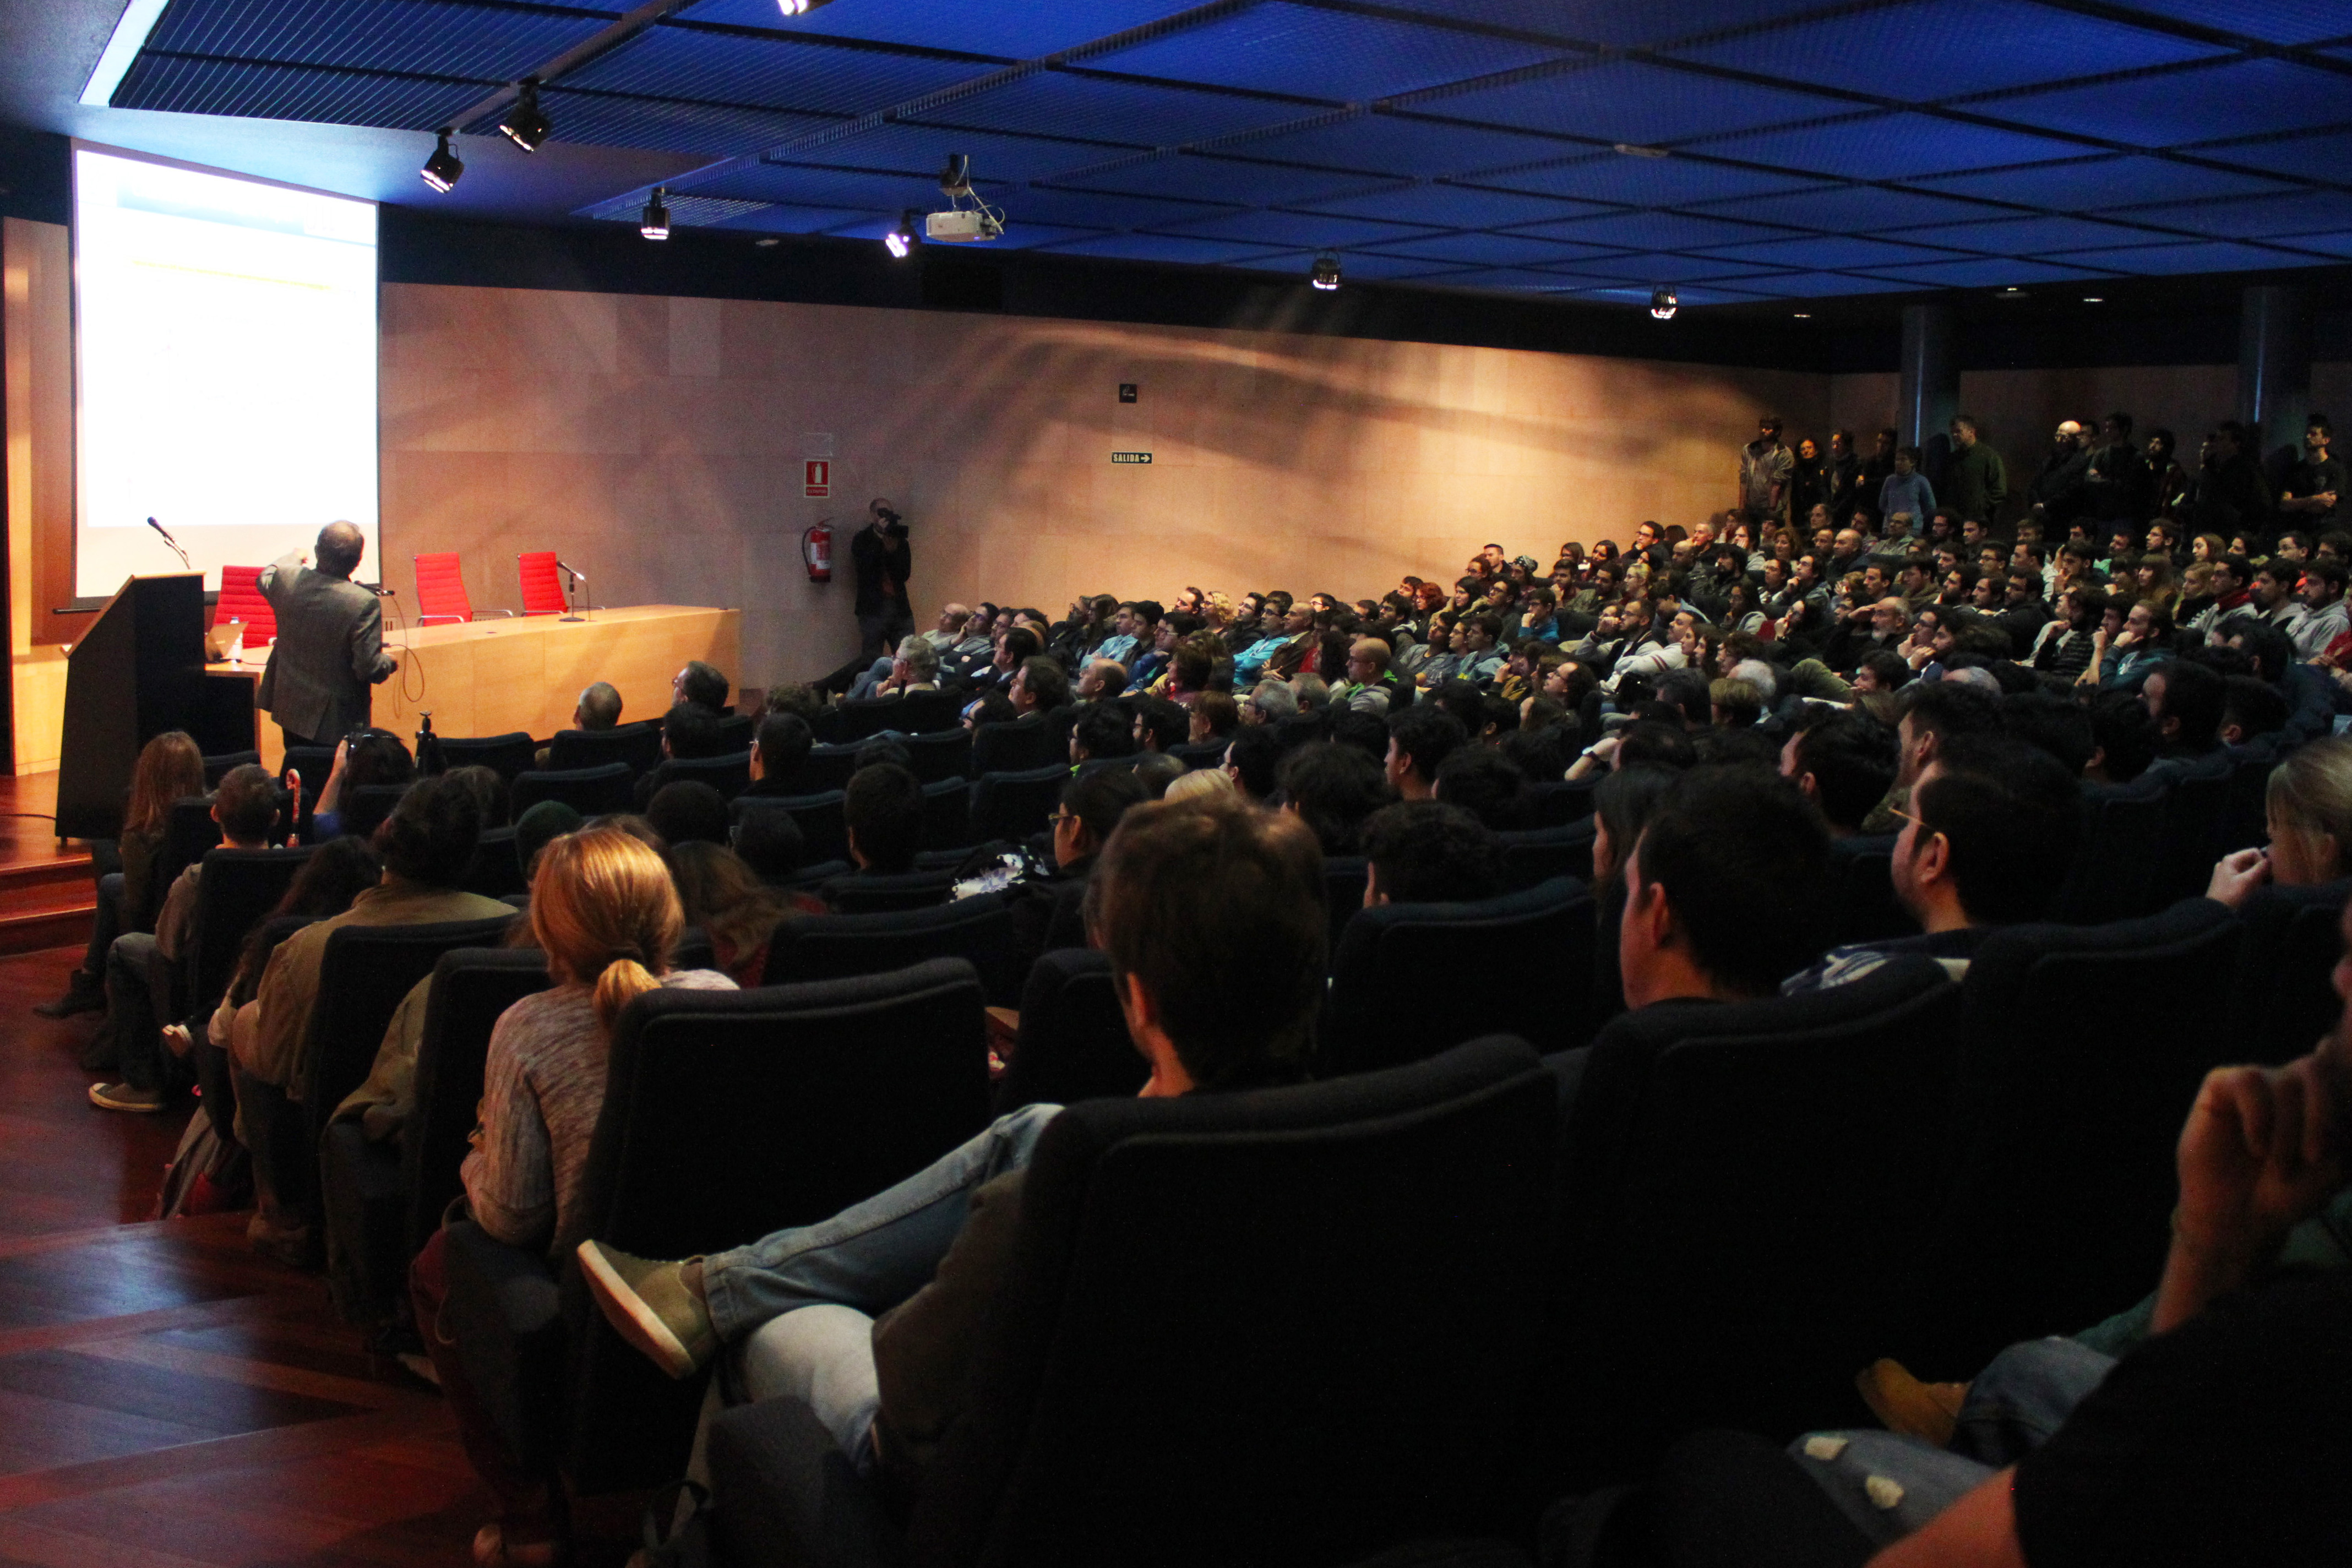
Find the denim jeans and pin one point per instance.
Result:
(878, 634)
(876, 674)
(104, 927)
(805, 1298)
(138, 999)
(2023, 1394)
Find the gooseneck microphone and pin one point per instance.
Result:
(175, 543)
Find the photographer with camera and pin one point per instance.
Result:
(883, 561)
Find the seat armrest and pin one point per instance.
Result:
(504, 1309)
(785, 1496)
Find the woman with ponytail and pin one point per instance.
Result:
(603, 910)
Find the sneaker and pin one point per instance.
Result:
(122, 1097)
(1928, 1411)
(647, 1303)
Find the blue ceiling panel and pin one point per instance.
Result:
(484, 44)
(1102, 109)
(1896, 146)
(1097, 209)
(2238, 98)
(2169, 260)
(681, 62)
(1935, 50)
(182, 85)
(1626, 101)
(1390, 144)
(777, 217)
(1658, 268)
(1687, 297)
(1356, 264)
(1281, 47)
(2259, 218)
(1832, 253)
(798, 185)
(997, 161)
(1513, 277)
(2326, 156)
(2028, 236)
(1988, 272)
(1015, 32)
(1822, 285)
(722, 131)
(1162, 247)
(2089, 184)
(1614, 177)
(1457, 207)
(1018, 236)
(1494, 249)
(1856, 209)
(1656, 231)
(2328, 244)
(1199, 177)
(1324, 231)
(1618, 23)
(2273, 21)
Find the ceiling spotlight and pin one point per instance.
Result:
(1325, 273)
(525, 126)
(1663, 304)
(768, 244)
(2094, 299)
(442, 169)
(798, 7)
(901, 240)
(654, 225)
(1804, 315)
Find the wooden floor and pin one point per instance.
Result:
(166, 1397)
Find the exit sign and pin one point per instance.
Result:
(1130, 457)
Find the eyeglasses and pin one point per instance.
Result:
(1060, 817)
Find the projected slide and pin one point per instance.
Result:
(227, 335)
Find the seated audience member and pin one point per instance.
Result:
(537, 829)
(169, 768)
(2251, 709)
(376, 757)
(2060, 725)
(489, 792)
(1048, 912)
(1487, 784)
(989, 708)
(795, 697)
(689, 732)
(2308, 804)
(1426, 852)
(1040, 687)
(2123, 739)
(883, 811)
(140, 966)
(1270, 702)
(1213, 917)
(1101, 732)
(1332, 788)
(1368, 688)
(1420, 739)
(727, 899)
(1987, 840)
(2185, 700)
(1928, 712)
(1158, 726)
(689, 812)
(779, 747)
(1734, 704)
(1201, 781)
(772, 844)
(1155, 771)
(604, 911)
(705, 686)
(1882, 669)
(1252, 758)
(598, 708)
(916, 667)
(1215, 715)
(1101, 679)
(1844, 761)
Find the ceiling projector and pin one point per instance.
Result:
(962, 225)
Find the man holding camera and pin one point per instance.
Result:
(883, 561)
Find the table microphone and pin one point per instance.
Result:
(171, 542)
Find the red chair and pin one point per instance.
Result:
(441, 591)
(240, 600)
(542, 590)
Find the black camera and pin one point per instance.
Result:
(892, 523)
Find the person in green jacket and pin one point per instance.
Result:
(1975, 481)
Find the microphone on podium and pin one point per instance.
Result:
(175, 543)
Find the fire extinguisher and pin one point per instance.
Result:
(816, 552)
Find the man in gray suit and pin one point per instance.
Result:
(329, 647)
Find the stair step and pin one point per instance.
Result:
(40, 929)
(70, 870)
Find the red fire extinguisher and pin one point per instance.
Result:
(816, 552)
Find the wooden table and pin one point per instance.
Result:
(493, 676)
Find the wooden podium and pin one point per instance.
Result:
(137, 672)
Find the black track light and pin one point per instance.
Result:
(654, 225)
(525, 126)
(1663, 304)
(444, 169)
(1325, 273)
(900, 241)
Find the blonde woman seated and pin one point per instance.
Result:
(608, 919)
(2308, 803)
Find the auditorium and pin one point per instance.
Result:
(1289, 783)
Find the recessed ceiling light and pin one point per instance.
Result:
(765, 243)
(1631, 151)
(1804, 315)
(2094, 299)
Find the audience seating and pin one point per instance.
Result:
(1201, 753)
(441, 590)
(810, 877)
(187, 834)
(1384, 1009)
(1742, 1190)
(916, 713)
(217, 768)
(978, 930)
(1343, 892)
(862, 894)
(2286, 987)
(240, 599)
(363, 808)
(1073, 1042)
(542, 588)
(591, 791)
(736, 731)
(637, 745)
(731, 775)
(727, 1115)
(1267, 1302)
(497, 870)
(947, 815)
(2246, 810)
(273, 1120)
(824, 834)
(826, 767)
(363, 976)
(236, 893)
(508, 754)
(1863, 906)
(1014, 805)
(1015, 745)
(2114, 876)
(2085, 1050)
(1538, 854)
(941, 754)
(1562, 802)
(2194, 805)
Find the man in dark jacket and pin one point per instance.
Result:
(329, 647)
(883, 561)
(1211, 913)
